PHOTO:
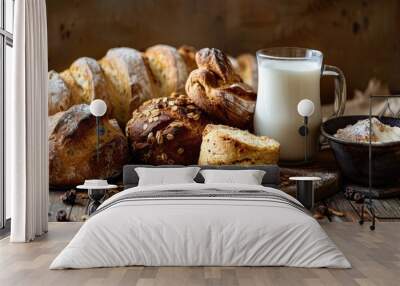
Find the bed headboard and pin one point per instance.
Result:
(271, 177)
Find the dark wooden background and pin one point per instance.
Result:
(359, 36)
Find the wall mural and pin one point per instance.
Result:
(160, 105)
(174, 104)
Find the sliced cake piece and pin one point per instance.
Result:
(224, 145)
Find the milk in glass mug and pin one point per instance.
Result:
(286, 76)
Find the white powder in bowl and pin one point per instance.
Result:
(359, 132)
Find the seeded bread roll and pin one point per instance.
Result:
(59, 95)
(219, 91)
(224, 145)
(130, 81)
(89, 79)
(72, 147)
(168, 67)
(166, 130)
(248, 70)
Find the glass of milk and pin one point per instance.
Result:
(285, 77)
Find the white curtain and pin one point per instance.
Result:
(26, 124)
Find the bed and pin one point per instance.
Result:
(197, 224)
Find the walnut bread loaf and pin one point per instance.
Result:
(224, 145)
(166, 130)
(72, 147)
(219, 91)
(130, 81)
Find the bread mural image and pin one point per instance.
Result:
(165, 105)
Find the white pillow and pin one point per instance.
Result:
(248, 177)
(164, 176)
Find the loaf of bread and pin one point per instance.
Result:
(234, 63)
(84, 81)
(73, 87)
(188, 53)
(166, 130)
(130, 81)
(224, 145)
(219, 91)
(248, 70)
(59, 95)
(72, 147)
(168, 67)
(89, 78)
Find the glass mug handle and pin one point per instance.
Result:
(340, 89)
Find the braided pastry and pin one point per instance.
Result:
(219, 91)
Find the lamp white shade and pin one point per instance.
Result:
(98, 107)
(305, 107)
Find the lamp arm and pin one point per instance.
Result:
(306, 138)
(97, 138)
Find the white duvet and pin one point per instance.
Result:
(200, 231)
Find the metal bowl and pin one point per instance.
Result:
(353, 157)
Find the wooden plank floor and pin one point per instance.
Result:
(375, 257)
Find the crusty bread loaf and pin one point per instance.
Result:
(224, 145)
(168, 67)
(248, 70)
(72, 147)
(89, 78)
(130, 81)
(72, 86)
(234, 64)
(219, 91)
(188, 53)
(59, 95)
(166, 130)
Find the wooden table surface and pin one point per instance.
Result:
(323, 166)
(329, 190)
